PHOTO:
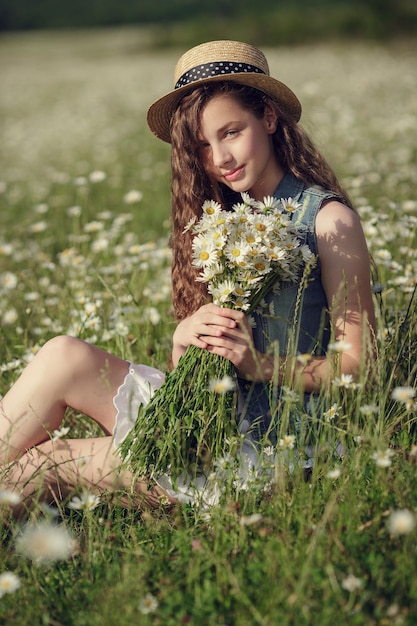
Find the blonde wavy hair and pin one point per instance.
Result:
(191, 186)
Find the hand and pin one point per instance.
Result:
(207, 322)
(221, 331)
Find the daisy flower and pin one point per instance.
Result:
(383, 458)
(86, 502)
(9, 498)
(351, 583)
(290, 205)
(132, 196)
(148, 604)
(339, 346)
(8, 280)
(210, 207)
(334, 473)
(345, 380)
(404, 395)
(58, 434)
(331, 413)
(222, 385)
(221, 293)
(45, 542)
(9, 583)
(287, 442)
(401, 522)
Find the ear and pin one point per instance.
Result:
(270, 120)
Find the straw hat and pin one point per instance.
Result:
(216, 61)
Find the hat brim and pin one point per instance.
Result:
(161, 111)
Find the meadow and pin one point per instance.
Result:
(84, 205)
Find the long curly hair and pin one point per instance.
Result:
(191, 185)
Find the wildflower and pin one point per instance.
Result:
(100, 245)
(9, 498)
(152, 315)
(6, 249)
(290, 395)
(334, 473)
(290, 205)
(148, 604)
(345, 380)
(204, 251)
(133, 196)
(44, 543)
(8, 280)
(404, 395)
(210, 207)
(351, 583)
(369, 409)
(190, 224)
(413, 451)
(58, 434)
(331, 413)
(250, 520)
(339, 346)
(222, 385)
(382, 458)
(401, 522)
(9, 317)
(87, 502)
(41, 208)
(74, 211)
(121, 328)
(9, 583)
(38, 227)
(97, 176)
(304, 359)
(268, 203)
(222, 292)
(94, 226)
(287, 442)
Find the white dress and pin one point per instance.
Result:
(253, 468)
(140, 382)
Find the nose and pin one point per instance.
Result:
(220, 154)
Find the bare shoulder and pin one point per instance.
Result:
(334, 216)
(339, 231)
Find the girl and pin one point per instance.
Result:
(233, 129)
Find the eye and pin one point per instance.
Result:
(230, 133)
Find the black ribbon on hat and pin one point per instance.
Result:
(216, 68)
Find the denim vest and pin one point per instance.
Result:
(296, 319)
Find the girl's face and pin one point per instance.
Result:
(236, 147)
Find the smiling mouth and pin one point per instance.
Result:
(233, 174)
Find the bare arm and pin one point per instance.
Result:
(345, 268)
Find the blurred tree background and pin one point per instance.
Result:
(184, 22)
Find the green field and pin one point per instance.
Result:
(84, 205)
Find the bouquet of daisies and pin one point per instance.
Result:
(191, 422)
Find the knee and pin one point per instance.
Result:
(62, 350)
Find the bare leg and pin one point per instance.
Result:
(50, 472)
(66, 372)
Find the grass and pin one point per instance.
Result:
(78, 256)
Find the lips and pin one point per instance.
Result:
(233, 174)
